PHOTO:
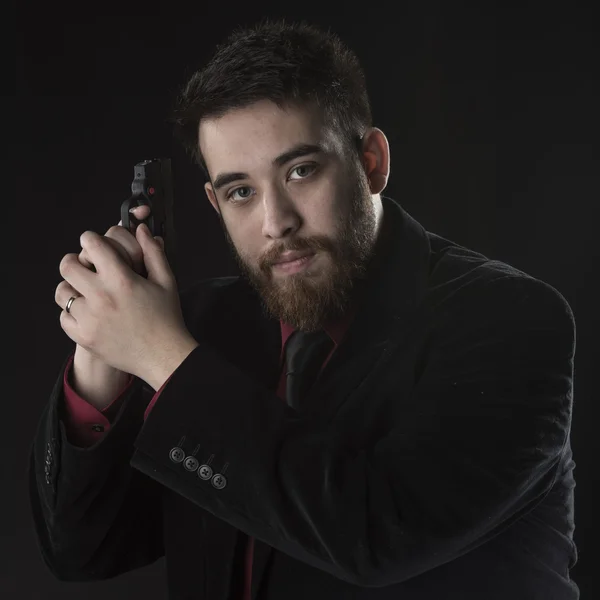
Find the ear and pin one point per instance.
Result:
(376, 158)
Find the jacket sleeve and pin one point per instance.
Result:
(94, 516)
(476, 442)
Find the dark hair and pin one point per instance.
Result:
(291, 64)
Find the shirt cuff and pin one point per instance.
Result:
(84, 423)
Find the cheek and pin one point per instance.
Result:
(323, 205)
(244, 237)
(336, 210)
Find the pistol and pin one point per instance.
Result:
(152, 186)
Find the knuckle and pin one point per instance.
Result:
(66, 263)
(114, 230)
(89, 238)
(58, 292)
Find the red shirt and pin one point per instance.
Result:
(85, 425)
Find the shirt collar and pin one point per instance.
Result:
(335, 328)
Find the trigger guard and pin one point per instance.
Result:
(129, 219)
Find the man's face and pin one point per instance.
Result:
(316, 201)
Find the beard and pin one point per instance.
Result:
(319, 293)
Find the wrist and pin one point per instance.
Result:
(162, 369)
(94, 380)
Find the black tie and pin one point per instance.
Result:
(304, 356)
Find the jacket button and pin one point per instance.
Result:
(219, 481)
(191, 464)
(176, 454)
(97, 427)
(205, 472)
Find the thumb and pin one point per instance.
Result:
(155, 259)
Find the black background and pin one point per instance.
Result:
(492, 118)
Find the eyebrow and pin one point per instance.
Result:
(295, 152)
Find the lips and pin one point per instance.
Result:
(291, 256)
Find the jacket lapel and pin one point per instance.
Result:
(387, 317)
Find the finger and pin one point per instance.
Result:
(140, 212)
(126, 245)
(64, 291)
(103, 256)
(84, 259)
(76, 275)
(70, 326)
(155, 261)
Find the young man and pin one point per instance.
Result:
(368, 411)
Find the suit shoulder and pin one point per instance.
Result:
(494, 298)
(538, 300)
(467, 283)
(450, 262)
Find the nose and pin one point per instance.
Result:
(280, 214)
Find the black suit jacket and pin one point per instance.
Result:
(430, 460)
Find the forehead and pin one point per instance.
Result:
(255, 134)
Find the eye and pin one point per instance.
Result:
(244, 192)
(231, 194)
(311, 168)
